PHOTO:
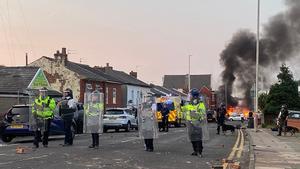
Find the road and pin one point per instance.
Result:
(120, 150)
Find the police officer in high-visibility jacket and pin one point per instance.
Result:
(195, 116)
(93, 118)
(43, 112)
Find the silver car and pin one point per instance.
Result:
(119, 118)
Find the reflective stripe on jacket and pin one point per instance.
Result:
(44, 107)
(194, 112)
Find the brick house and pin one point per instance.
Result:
(63, 73)
(133, 89)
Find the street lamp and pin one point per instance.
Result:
(189, 76)
(257, 57)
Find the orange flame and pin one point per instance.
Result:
(239, 110)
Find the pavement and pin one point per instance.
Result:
(126, 150)
(269, 151)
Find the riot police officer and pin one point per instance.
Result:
(195, 115)
(221, 113)
(282, 119)
(93, 116)
(43, 112)
(67, 107)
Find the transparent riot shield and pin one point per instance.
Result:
(93, 112)
(35, 122)
(148, 126)
(197, 130)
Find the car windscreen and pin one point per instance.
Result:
(114, 112)
(20, 114)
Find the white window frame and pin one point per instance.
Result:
(114, 94)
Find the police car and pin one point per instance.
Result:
(16, 123)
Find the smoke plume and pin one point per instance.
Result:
(279, 42)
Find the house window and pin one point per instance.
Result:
(106, 93)
(132, 95)
(137, 97)
(114, 96)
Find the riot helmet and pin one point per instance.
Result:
(43, 92)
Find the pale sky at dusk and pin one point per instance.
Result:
(153, 37)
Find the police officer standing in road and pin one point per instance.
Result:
(165, 117)
(282, 119)
(195, 115)
(221, 115)
(93, 116)
(67, 107)
(43, 112)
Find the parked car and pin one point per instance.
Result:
(119, 118)
(210, 114)
(293, 121)
(16, 123)
(236, 117)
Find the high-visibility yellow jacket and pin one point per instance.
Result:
(92, 109)
(44, 108)
(194, 112)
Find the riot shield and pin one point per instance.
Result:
(147, 120)
(197, 130)
(93, 112)
(35, 122)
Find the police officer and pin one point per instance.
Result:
(195, 115)
(93, 114)
(282, 119)
(165, 117)
(67, 107)
(43, 112)
(221, 113)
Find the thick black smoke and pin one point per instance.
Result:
(279, 42)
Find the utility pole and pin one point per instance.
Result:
(257, 64)
(226, 102)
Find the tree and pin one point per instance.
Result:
(285, 91)
(262, 100)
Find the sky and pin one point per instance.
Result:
(152, 37)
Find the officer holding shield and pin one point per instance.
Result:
(147, 122)
(42, 112)
(93, 116)
(195, 115)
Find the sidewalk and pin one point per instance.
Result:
(274, 152)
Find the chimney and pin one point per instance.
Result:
(61, 57)
(133, 74)
(107, 67)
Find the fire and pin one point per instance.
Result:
(239, 110)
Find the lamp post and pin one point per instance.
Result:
(257, 65)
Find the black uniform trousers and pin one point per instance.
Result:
(149, 144)
(165, 123)
(220, 122)
(197, 146)
(68, 132)
(95, 138)
(38, 134)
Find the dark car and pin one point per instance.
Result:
(16, 123)
(210, 115)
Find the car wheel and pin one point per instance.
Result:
(231, 119)
(117, 130)
(104, 130)
(128, 127)
(6, 138)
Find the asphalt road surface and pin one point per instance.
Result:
(119, 150)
